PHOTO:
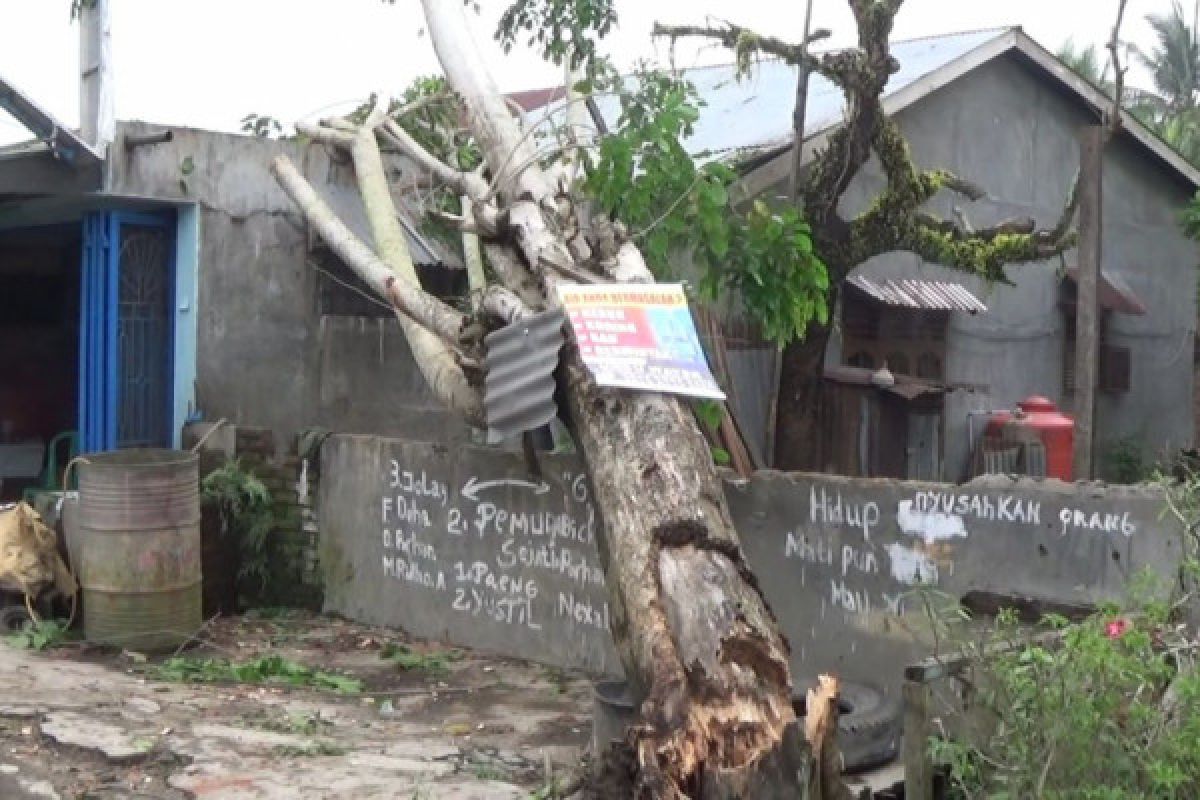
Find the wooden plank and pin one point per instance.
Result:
(918, 769)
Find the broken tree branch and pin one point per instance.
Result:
(471, 184)
(419, 313)
(503, 304)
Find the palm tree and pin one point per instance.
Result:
(1086, 63)
(1174, 62)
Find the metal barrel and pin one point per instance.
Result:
(139, 548)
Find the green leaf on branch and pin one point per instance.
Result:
(643, 175)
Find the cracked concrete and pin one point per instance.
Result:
(75, 721)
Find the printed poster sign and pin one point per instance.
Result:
(639, 336)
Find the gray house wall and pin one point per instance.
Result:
(265, 356)
(1012, 131)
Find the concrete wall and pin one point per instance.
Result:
(265, 356)
(463, 545)
(1010, 131)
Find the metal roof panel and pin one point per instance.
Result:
(918, 294)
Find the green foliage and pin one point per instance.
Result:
(44, 635)
(565, 30)
(1189, 218)
(1086, 62)
(709, 413)
(1124, 462)
(1174, 62)
(267, 669)
(433, 115)
(261, 125)
(244, 506)
(1082, 715)
(644, 176)
(436, 662)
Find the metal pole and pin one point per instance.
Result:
(97, 121)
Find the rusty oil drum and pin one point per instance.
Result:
(139, 548)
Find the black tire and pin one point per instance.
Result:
(869, 727)
(13, 619)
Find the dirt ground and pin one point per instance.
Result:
(429, 722)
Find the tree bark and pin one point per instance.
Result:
(797, 421)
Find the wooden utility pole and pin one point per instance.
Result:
(799, 115)
(97, 120)
(1087, 332)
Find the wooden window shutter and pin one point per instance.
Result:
(1116, 367)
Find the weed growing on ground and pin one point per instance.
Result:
(267, 669)
(489, 772)
(435, 663)
(44, 635)
(309, 749)
(298, 722)
(558, 677)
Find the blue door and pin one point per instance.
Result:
(125, 397)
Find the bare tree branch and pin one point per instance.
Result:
(326, 135)
(503, 304)
(1114, 42)
(471, 184)
(425, 309)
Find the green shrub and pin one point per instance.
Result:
(1107, 710)
(244, 505)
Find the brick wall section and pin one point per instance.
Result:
(295, 577)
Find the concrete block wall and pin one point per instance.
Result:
(464, 545)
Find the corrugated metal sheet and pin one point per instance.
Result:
(520, 363)
(756, 111)
(917, 293)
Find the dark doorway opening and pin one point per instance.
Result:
(39, 349)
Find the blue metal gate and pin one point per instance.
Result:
(126, 331)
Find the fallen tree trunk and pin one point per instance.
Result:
(694, 633)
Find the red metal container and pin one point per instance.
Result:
(1039, 416)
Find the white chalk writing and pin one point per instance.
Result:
(491, 518)
(552, 557)
(1002, 508)
(411, 572)
(1107, 522)
(582, 611)
(833, 510)
(418, 484)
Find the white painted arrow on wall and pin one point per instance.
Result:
(473, 487)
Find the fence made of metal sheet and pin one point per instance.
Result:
(139, 548)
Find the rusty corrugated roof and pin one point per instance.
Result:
(916, 293)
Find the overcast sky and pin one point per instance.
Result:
(206, 64)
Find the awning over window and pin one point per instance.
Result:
(1112, 293)
(919, 294)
